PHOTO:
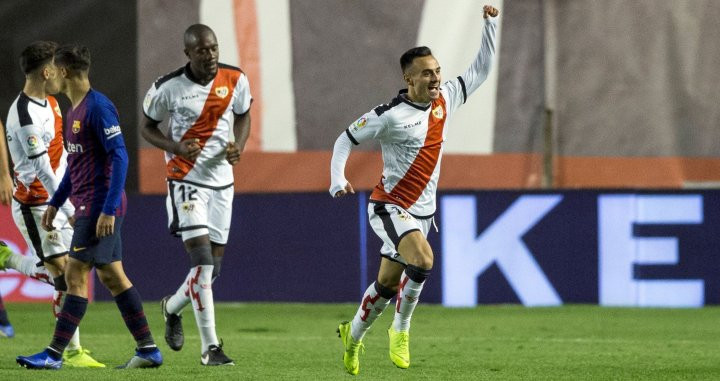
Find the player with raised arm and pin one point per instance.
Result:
(35, 142)
(207, 105)
(94, 181)
(411, 130)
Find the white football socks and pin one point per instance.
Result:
(201, 297)
(181, 298)
(407, 299)
(26, 264)
(372, 306)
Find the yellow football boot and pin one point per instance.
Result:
(351, 357)
(5, 253)
(80, 358)
(399, 348)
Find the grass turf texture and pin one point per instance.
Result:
(298, 341)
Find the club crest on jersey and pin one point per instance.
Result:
(76, 126)
(57, 111)
(33, 141)
(438, 112)
(222, 91)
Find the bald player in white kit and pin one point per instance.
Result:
(411, 130)
(207, 104)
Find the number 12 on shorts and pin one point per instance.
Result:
(187, 194)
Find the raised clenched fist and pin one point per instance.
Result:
(490, 11)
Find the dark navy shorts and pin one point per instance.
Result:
(86, 246)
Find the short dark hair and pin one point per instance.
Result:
(36, 55)
(75, 58)
(407, 58)
(194, 32)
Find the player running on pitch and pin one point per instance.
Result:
(411, 130)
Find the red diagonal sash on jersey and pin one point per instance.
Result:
(55, 150)
(410, 187)
(36, 193)
(215, 105)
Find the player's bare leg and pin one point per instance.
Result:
(419, 256)
(113, 277)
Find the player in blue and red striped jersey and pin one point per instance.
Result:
(94, 182)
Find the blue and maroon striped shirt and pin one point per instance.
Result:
(97, 159)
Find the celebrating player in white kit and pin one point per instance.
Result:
(208, 107)
(411, 130)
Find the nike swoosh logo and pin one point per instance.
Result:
(205, 359)
(76, 249)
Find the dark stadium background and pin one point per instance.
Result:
(635, 112)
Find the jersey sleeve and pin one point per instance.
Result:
(341, 152)
(107, 125)
(456, 93)
(460, 88)
(243, 100)
(155, 104)
(107, 128)
(63, 191)
(30, 138)
(367, 127)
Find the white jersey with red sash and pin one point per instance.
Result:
(411, 136)
(200, 111)
(34, 134)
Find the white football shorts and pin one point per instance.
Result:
(42, 244)
(194, 211)
(391, 223)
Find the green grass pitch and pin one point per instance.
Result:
(298, 341)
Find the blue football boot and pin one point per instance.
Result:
(41, 360)
(152, 359)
